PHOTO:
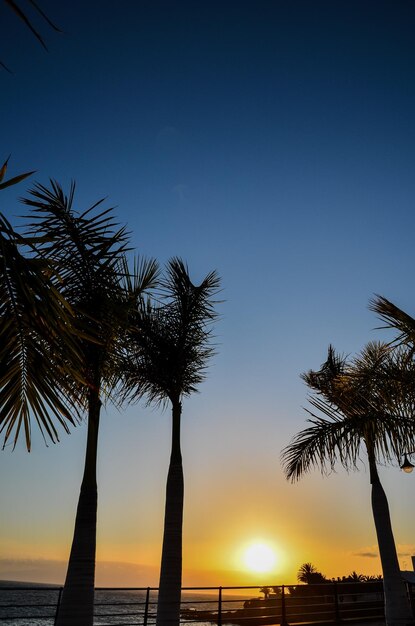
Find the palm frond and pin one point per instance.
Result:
(368, 400)
(171, 343)
(33, 317)
(322, 444)
(88, 249)
(11, 181)
(85, 247)
(18, 11)
(45, 17)
(143, 277)
(396, 318)
(23, 17)
(326, 380)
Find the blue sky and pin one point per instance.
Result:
(270, 140)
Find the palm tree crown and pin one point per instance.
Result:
(87, 251)
(310, 574)
(360, 401)
(171, 341)
(34, 320)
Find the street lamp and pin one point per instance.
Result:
(407, 466)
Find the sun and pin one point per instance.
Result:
(259, 557)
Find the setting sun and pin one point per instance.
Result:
(259, 557)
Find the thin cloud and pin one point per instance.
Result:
(405, 549)
(108, 573)
(369, 555)
(368, 552)
(33, 570)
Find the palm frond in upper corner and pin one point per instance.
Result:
(45, 17)
(17, 10)
(394, 317)
(29, 23)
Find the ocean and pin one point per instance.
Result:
(35, 605)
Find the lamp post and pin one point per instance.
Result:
(407, 466)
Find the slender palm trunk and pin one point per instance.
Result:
(77, 603)
(168, 608)
(398, 610)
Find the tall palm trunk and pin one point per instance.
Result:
(398, 610)
(168, 608)
(77, 603)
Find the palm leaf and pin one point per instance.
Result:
(4, 168)
(45, 17)
(17, 10)
(368, 400)
(396, 318)
(171, 341)
(88, 250)
(33, 316)
(15, 179)
(321, 444)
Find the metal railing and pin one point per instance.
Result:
(328, 603)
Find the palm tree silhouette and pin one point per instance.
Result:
(395, 318)
(34, 318)
(88, 253)
(266, 591)
(354, 577)
(28, 21)
(361, 404)
(170, 350)
(309, 574)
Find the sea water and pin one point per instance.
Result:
(21, 605)
(35, 605)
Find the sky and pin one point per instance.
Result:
(272, 141)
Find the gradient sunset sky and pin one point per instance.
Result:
(273, 141)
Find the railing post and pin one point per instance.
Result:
(336, 604)
(410, 591)
(283, 610)
(146, 607)
(58, 605)
(220, 607)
